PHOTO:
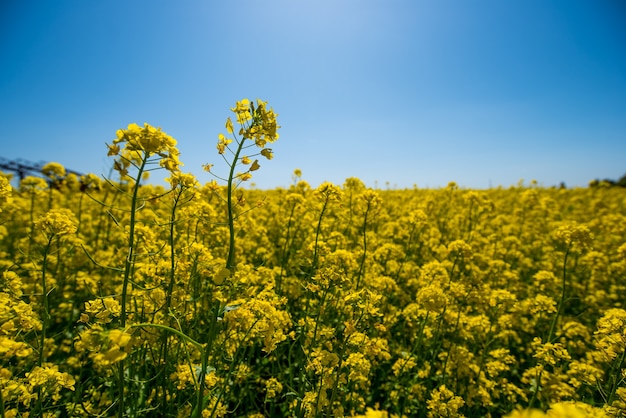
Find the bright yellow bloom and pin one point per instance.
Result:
(222, 143)
(244, 176)
(229, 126)
(50, 376)
(328, 191)
(549, 353)
(119, 337)
(147, 138)
(273, 388)
(574, 236)
(184, 180)
(242, 111)
(267, 153)
(32, 184)
(444, 403)
(574, 410)
(57, 222)
(526, 413)
(6, 192)
(53, 171)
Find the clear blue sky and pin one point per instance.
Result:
(481, 92)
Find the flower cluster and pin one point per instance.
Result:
(135, 146)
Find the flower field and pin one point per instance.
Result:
(123, 298)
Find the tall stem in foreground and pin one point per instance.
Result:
(230, 260)
(130, 261)
(130, 258)
(45, 318)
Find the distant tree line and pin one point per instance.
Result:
(608, 182)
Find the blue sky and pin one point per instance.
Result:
(397, 92)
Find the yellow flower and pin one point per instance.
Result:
(550, 353)
(267, 153)
(222, 143)
(328, 191)
(114, 149)
(229, 126)
(443, 403)
(119, 337)
(33, 184)
(143, 143)
(57, 222)
(526, 413)
(622, 251)
(242, 111)
(574, 410)
(184, 180)
(244, 176)
(375, 413)
(104, 309)
(53, 171)
(432, 298)
(6, 191)
(272, 387)
(574, 236)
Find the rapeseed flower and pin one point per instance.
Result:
(57, 222)
(6, 192)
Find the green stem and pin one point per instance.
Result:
(284, 258)
(45, 320)
(1, 405)
(169, 329)
(131, 241)
(561, 301)
(230, 261)
(553, 325)
(418, 344)
(32, 221)
(362, 265)
(130, 261)
(170, 287)
(318, 315)
(205, 362)
(616, 379)
(317, 236)
(204, 357)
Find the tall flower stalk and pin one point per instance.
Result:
(572, 239)
(142, 147)
(54, 224)
(258, 127)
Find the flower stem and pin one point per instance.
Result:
(230, 260)
(130, 261)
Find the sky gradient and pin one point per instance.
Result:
(397, 93)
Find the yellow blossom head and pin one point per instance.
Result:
(53, 170)
(146, 140)
(574, 237)
(6, 191)
(57, 222)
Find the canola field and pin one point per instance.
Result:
(123, 298)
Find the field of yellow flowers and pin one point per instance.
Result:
(122, 298)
